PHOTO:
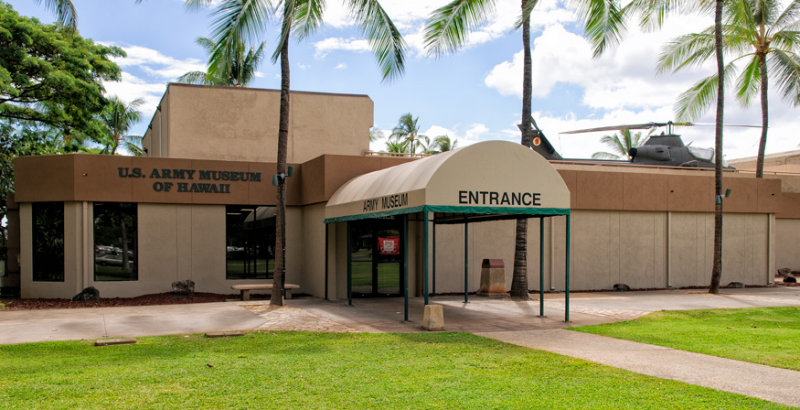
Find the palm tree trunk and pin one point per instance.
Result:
(280, 216)
(716, 270)
(762, 145)
(519, 281)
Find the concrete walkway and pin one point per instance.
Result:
(512, 322)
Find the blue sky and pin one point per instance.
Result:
(471, 96)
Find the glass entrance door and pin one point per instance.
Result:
(377, 257)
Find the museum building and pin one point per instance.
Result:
(200, 206)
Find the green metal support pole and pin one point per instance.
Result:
(466, 262)
(349, 267)
(541, 266)
(434, 258)
(425, 269)
(326, 261)
(405, 267)
(566, 286)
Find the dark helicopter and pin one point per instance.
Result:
(665, 149)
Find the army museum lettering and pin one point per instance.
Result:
(499, 198)
(386, 202)
(169, 179)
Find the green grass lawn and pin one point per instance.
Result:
(760, 335)
(300, 370)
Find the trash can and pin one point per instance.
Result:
(493, 278)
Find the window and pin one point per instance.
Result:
(115, 242)
(48, 242)
(250, 241)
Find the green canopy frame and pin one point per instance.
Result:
(455, 215)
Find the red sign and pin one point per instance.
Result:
(389, 245)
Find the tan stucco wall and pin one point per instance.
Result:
(610, 247)
(311, 277)
(241, 124)
(787, 244)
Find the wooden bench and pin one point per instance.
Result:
(246, 288)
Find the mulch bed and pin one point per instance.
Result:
(155, 299)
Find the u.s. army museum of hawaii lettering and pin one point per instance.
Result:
(200, 206)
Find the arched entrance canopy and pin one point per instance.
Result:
(486, 181)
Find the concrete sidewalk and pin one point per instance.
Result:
(765, 382)
(501, 319)
(26, 326)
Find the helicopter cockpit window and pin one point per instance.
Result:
(706, 154)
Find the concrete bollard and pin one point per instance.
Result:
(433, 317)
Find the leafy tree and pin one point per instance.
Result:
(447, 30)
(620, 145)
(755, 30)
(407, 133)
(236, 70)
(22, 140)
(118, 118)
(236, 20)
(52, 78)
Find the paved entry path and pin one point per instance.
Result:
(504, 320)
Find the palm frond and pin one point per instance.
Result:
(287, 21)
(604, 23)
(749, 82)
(694, 101)
(527, 9)
(605, 155)
(65, 12)
(307, 17)
(235, 22)
(448, 27)
(785, 68)
(788, 17)
(687, 50)
(786, 40)
(195, 77)
(205, 42)
(384, 38)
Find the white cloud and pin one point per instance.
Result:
(624, 76)
(323, 47)
(340, 66)
(158, 64)
(131, 87)
(410, 17)
(303, 66)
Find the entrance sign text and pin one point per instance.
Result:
(499, 198)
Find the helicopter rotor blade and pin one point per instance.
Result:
(643, 126)
(614, 128)
(711, 124)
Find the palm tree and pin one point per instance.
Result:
(447, 30)
(620, 145)
(236, 20)
(654, 12)
(238, 68)
(118, 117)
(395, 147)
(444, 143)
(755, 31)
(407, 132)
